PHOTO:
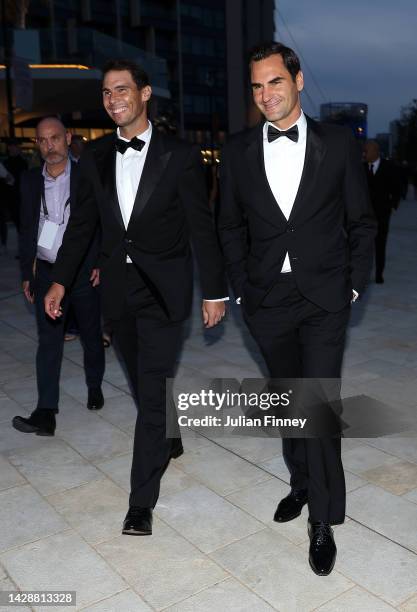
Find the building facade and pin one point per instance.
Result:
(351, 114)
(195, 52)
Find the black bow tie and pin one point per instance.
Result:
(123, 145)
(273, 133)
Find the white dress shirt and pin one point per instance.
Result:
(129, 168)
(373, 166)
(284, 163)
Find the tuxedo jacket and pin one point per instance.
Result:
(170, 207)
(329, 234)
(31, 186)
(384, 188)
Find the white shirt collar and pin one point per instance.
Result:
(301, 123)
(145, 136)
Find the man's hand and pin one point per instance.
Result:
(26, 291)
(95, 277)
(213, 312)
(53, 300)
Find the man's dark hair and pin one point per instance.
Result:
(138, 73)
(289, 57)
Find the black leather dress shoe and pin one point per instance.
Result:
(138, 521)
(322, 554)
(41, 422)
(290, 507)
(95, 399)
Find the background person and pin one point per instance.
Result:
(384, 184)
(6, 183)
(47, 203)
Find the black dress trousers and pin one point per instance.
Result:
(85, 301)
(300, 340)
(148, 343)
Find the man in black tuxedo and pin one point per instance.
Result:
(297, 230)
(147, 190)
(47, 198)
(384, 184)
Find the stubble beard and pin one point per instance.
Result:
(57, 158)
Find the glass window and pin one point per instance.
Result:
(196, 12)
(220, 19)
(197, 45)
(209, 47)
(209, 18)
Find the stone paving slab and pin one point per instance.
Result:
(62, 500)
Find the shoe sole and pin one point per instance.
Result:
(132, 532)
(95, 407)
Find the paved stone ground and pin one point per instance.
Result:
(215, 546)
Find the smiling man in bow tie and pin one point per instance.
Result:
(148, 193)
(297, 232)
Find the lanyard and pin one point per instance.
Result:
(45, 209)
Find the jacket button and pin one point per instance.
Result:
(289, 229)
(128, 241)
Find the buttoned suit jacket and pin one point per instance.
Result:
(170, 209)
(329, 233)
(384, 188)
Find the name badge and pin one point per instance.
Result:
(48, 235)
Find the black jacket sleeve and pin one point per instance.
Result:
(232, 226)
(360, 222)
(81, 228)
(193, 194)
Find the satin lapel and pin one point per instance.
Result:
(106, 162)
(255, 158)
(315, 151)
(156, 160)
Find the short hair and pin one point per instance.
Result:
(51, 118)
(138, 74)
(289, 57)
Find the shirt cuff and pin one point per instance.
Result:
(238, 300)
(355, 296)
(225, 299)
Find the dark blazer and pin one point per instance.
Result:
(30, 207)
(170, 207)
(384, 188)
(329, 235)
